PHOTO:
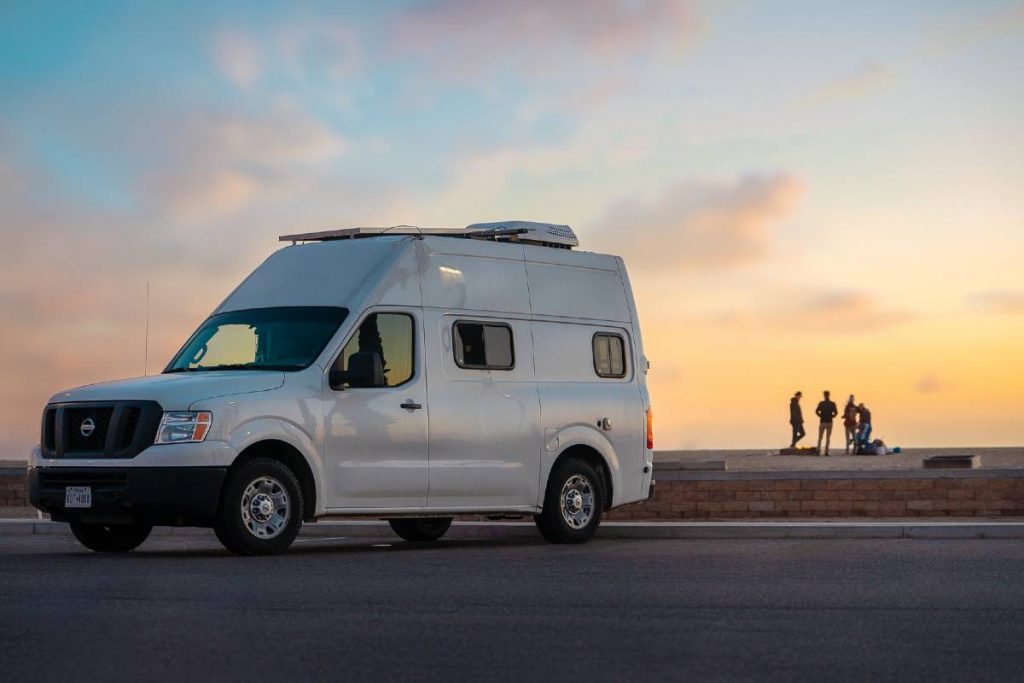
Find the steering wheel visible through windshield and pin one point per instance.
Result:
(285, 338)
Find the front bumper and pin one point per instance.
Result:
(176, 496)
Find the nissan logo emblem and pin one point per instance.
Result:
(87, 427)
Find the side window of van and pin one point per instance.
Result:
(609, 355)
(483, 346)
(390, 336)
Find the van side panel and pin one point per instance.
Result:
(484, 434)
(569, 291)
(458, 282)
(575, 402)
(640, 358)
(324, 274)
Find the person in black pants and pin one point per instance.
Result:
(796, 419)
(827, 411)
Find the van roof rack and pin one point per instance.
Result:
(528, 232)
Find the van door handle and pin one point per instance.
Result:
(411, 405)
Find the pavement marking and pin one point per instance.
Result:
(325, 538)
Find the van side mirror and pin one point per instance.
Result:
(365, 369)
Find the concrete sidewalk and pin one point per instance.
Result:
(817, 529)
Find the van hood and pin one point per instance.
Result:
(176, 391)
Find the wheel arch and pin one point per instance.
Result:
(595, 459)
(292, 458)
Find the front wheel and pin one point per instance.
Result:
(111, 538)
(572, 503)
(260, 510)
(421, 529)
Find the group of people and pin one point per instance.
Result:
(856, 421)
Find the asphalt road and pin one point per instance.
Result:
(357, 609)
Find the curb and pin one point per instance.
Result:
(612, 530)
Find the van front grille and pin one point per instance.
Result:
(126, 430)
(50, 429)
(113, 429)
(86, 429)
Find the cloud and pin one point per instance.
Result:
(868, 80)
(930, 384)
(875, 77)
(470, 37)
(222, 165)
(1005, 302)
(289, 55)
(238, 57)
(836, 312)
(696, 225)
(965, 34)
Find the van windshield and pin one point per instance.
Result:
(287, 338)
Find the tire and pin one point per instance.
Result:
(111, 538)
(420, 529)
(573, 503)
(261, 509)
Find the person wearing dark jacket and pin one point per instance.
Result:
(796, 419)
(850, 424)
(826, 412)
(864, 426)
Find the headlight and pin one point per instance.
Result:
(183, 427)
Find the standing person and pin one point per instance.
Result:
(796, 419)
(850, 424)
(864, 426)
(826, 412)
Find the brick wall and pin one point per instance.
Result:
(953, 494)
(958, 496)
(13, 488)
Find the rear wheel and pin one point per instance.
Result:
(111, 538)
(261, 509)
(572, 503)
(421, 528)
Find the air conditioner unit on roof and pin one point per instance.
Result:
(546, 234)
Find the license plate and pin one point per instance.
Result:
(78, 496)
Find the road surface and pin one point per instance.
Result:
(356, 609)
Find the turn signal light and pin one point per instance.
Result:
(650, 428)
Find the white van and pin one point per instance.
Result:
(401, 374)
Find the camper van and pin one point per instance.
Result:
(401, 374)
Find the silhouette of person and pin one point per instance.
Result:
(864, 426)
(796, 419)
(850, 424)
(826, 412)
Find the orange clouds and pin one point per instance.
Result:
(697, 225)
(800, 313)
(1004, 302)
(224, 165)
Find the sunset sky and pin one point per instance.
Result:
(808, 195)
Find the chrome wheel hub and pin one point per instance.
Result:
(265, 507)
(577, 501)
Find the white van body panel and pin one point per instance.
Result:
(375, 451)
(176, 392)
(485, 436)
(483, 440)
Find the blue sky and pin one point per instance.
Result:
(853, 170)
